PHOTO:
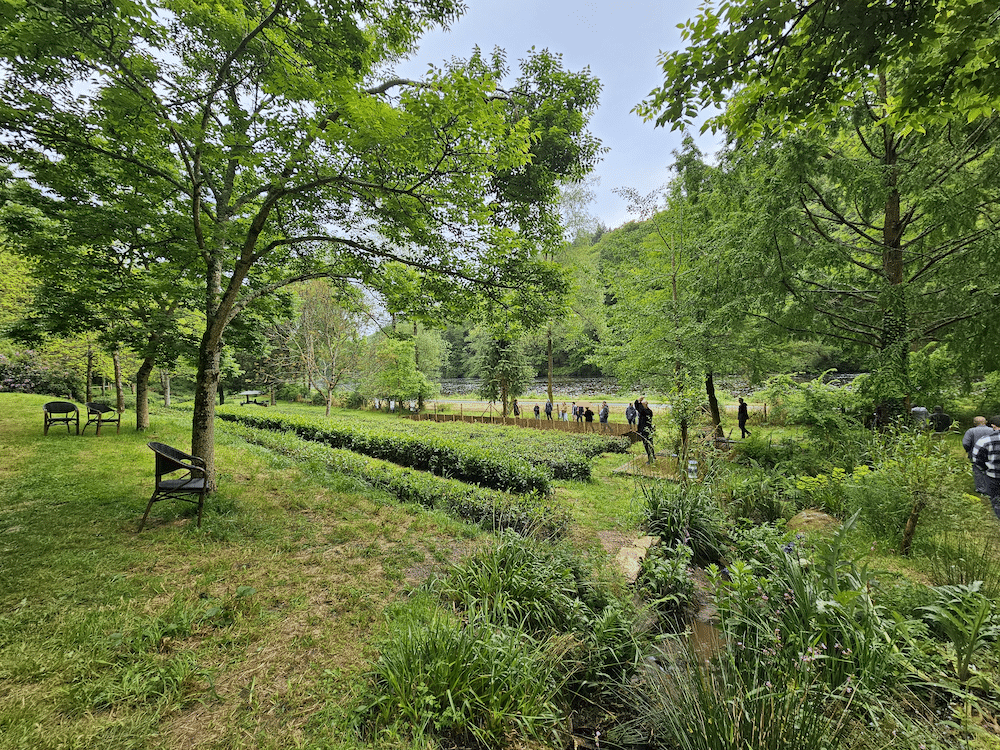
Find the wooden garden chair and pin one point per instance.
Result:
(61, 412)
(98, 414)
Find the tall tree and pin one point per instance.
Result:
(674, 319)
(289, 150)
(501, 365)
(322, 343)
(877, 241)
(800, 61)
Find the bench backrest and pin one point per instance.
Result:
(60, 407)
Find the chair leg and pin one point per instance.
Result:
(146, 514)
(201, 504)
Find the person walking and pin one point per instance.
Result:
(939, 420)
(517, 409)
(742, 416)
(588, 416)
(548, 410)
(986, 455)
(645, 427)
(562, 412)
(973, 435)
(603, 413)
(538, 412)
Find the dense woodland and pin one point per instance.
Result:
(200, 198)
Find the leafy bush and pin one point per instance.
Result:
(910, 467)
(666, 583)
(26, 372)
(816, 613)
(685, 514)
(757, 495)
(965, 616)
(547, 591)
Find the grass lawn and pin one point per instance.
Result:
(254, 631)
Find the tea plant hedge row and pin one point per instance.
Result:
(490, 509)
(489, 458)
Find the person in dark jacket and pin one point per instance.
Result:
(630, 414)
(646, 427)
(517, 409)
(743, 415)
(588, 416)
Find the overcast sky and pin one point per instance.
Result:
(619, 41)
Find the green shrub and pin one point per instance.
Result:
(686, 702)
(813, 610)
(965, 616)
(665, 582)
(685, 514)
(465, 680)
(964, 557)
(757, 495)
(547, 591)
(439, 455)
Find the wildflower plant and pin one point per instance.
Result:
(811, 611)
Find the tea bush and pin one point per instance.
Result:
(490, 509)
(436, 454)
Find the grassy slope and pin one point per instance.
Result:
(90, 609)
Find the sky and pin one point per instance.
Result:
(619, 42)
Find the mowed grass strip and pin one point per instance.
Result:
(252, 631)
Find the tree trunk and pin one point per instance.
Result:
(911, 523)
(90, 373)
(549, 346)
(142, 394)
(206, 389)
(895, 319)
(119, 393)
(165, 385)
(713, 403)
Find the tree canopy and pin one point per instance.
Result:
(280, 146)
(782, 63)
